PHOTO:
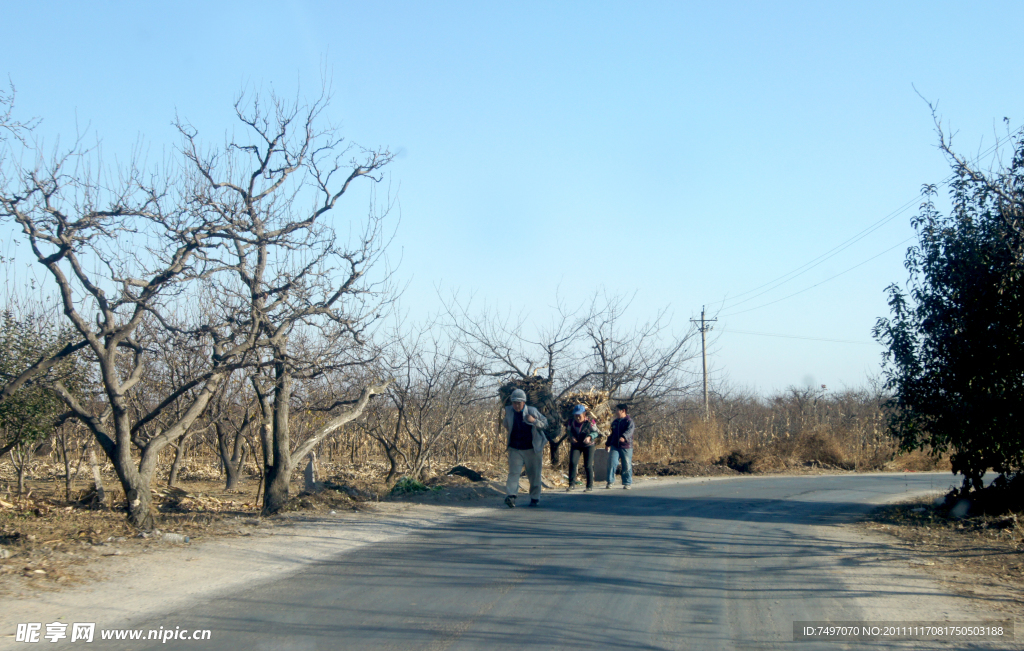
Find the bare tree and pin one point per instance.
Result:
(122, 248)
(431, 394)
(284, 272)
(638, 362)
(501, 346)
(9, 125)
(589, 345)
(232, 414)
(383, 425)
(67, 439)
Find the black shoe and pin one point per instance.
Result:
(570, 489)
(510, 501)
(534, 502)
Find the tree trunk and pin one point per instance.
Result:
(247, 450)
(555, 445)
(140, 506)
(137, 496)
(230, 462)
(279, 473)
(135, 480)
(97, 478)
(22, 467)
(69, 477)
(179, 455)
(231, 477)
(237, 459)
(275, 495)
(21, 457)
(393, 470)
(63, 441)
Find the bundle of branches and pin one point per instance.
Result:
(180, 501)
(538, 394)
(537, 389)
(596, 402)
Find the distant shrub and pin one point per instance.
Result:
(820, 447)
(739, 461)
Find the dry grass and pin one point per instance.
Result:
(918, 461)
(800, 428)
(704, 442)
(710, 441)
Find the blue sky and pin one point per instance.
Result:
(684, 152)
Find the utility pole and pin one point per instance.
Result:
(705, 326)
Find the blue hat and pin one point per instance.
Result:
(579, 409)
(518, 396)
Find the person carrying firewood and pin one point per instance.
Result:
(525, 426)
(583, 435)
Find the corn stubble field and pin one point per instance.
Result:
(796, 431)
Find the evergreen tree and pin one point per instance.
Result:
(955, 338)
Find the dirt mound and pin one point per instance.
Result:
(739, 461)
(681, 469)
(918, 461)
(177, 500)
(355, 491)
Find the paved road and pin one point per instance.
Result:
(726, 564)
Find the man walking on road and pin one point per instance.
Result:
(525, 426)
(620, 446)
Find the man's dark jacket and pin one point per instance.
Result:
(622, 433)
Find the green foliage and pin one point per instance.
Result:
(407, 485)
(29, 414)
(955, 338)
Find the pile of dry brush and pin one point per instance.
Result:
(596, 402)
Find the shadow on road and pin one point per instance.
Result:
(490, 581)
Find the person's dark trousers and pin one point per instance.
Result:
(588, 464)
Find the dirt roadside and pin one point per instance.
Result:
(980, 557)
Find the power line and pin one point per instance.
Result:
(860, 264)
(772, 334)
(842, 246)
(799, 271)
